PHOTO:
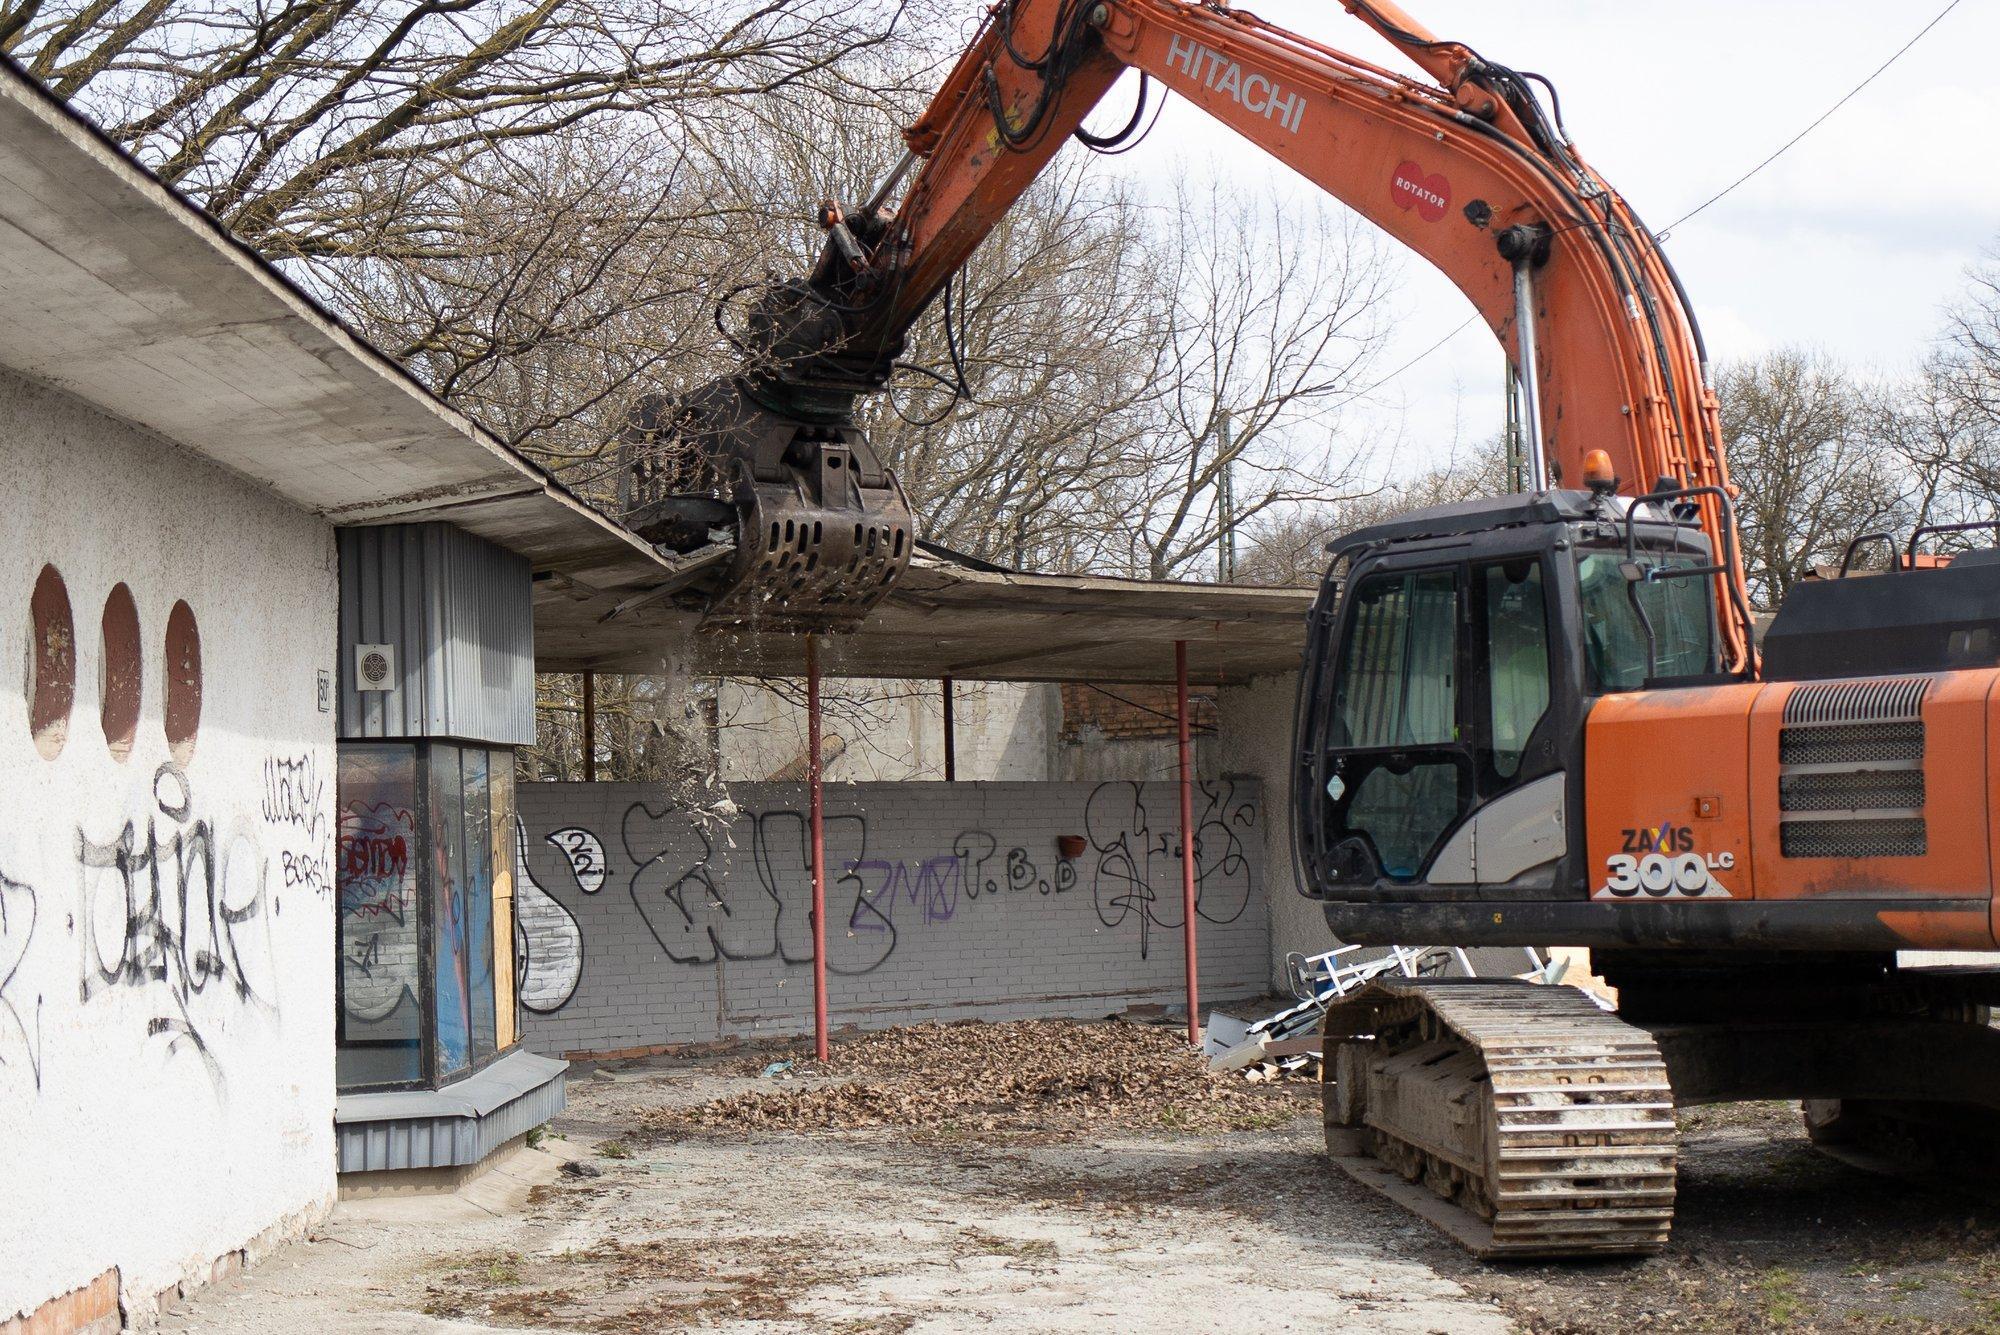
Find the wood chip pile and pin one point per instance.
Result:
(1051, 1076)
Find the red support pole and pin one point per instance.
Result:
(950, 737)
(1187, 841)
(815, 788)
(590, 727)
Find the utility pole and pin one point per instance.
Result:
(1225, 509)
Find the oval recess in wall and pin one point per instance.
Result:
(51, 686)
(183, 689)
(119, 672)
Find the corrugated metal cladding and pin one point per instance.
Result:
(460, 612)
(459, 1124)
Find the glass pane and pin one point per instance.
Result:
(500, 782)
(479, 902)
(1396, 668)
(1614, 641)
(380, 1022)
(1405, 814)
(448, 910)
(1517, 646)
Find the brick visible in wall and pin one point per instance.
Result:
(90, 1310)
(944, 901)
(1119, 713)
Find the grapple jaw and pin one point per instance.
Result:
(779, 522)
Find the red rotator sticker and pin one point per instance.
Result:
(1429, 194)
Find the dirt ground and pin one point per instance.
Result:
(1042, 1194)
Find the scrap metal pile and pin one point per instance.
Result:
(1289, 1041)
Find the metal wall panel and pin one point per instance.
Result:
(460, 612)
(459, 1124)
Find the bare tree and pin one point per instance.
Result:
(321, 128)
(1944, 424)
(1968, 358)
(1288, 547)
(1272, 317)
(515, 197)
(1057, 335)
(1804, 454)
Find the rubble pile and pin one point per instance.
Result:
(1050, 1076)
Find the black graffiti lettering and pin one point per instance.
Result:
(1130, 858)
(295, 793)
(20, 1051)
(699, 906)
(295, 803)
(974, 848)
(162, 922)
(706, 896)
(302, 870)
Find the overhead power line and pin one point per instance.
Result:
(1465, 325)
(1662, 234)
(1783, 148)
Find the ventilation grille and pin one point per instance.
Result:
(1852, 790)
(1886, 700)
(1851, 770)
(1903, 837)
(1852, 744)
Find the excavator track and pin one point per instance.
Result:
(1519, 1118)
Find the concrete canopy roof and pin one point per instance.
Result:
(123, 294)
(945, 619)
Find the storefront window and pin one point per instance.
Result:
(478, 943)
(426, 911)
(379, 1027)
(448, 911)
(501, 782)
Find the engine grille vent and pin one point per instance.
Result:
(1852, 744)
(1852, 790)
(1900, 838)
(1881, 701)
(1851, 770)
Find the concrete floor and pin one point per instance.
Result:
(863, 1232)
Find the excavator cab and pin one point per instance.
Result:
(1452, 657)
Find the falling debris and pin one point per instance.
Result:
(1060, 1077)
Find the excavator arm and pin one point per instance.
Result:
(1469, 172)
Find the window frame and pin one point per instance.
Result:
(419, 798)
(429, 1074)
(1593, 684)
(1457, 752)
(1480, 721)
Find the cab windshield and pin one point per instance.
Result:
(1614, 639)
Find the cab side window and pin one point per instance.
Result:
(1516, 623)
(1395, 684)
(1398, 688)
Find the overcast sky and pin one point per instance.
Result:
(1854, 240)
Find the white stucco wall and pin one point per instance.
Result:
(1255, 727)
(891, 730)
(166, 929)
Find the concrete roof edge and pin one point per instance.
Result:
(513, 473)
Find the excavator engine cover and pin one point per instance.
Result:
(820, 529)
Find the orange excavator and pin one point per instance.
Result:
(1530, 719)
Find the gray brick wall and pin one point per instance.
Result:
(944, 901)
